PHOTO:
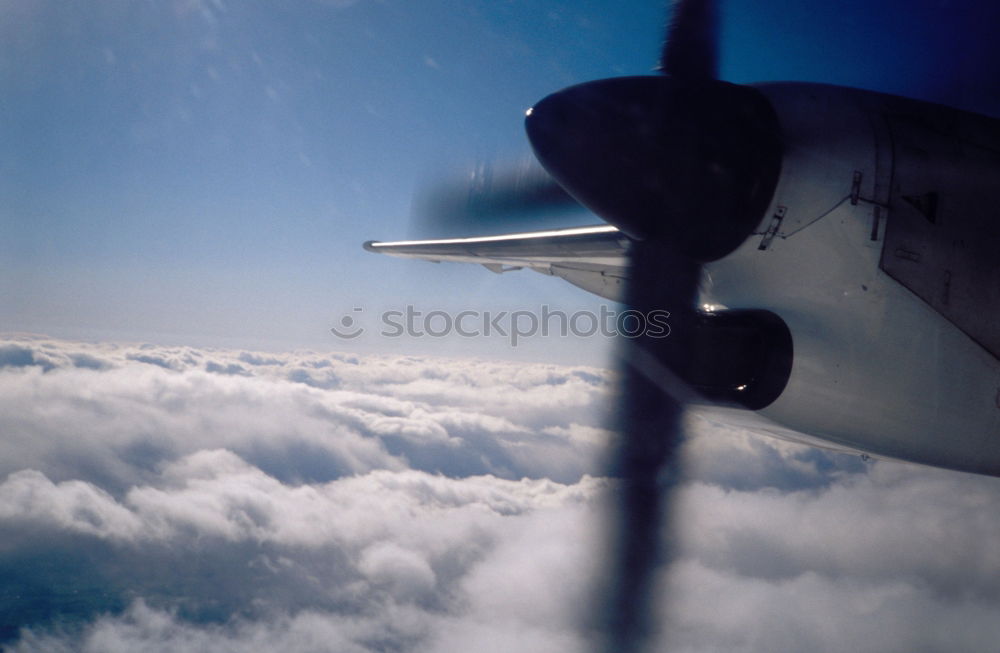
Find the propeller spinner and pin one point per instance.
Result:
(692, 163)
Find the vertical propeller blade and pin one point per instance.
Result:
(691, 49)
(685, 165)
(645, 460)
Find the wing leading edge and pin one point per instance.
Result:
(593, 258)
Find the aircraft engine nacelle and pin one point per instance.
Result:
(741, 358)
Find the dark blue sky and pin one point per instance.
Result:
(205, 171)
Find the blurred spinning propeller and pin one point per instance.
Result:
(684, 165)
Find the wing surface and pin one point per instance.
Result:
(594, 258)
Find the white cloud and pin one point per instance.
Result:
(142, 628)
(75, 506)
(815, 612)
(165, 498)
(337, 417)
(405, 573)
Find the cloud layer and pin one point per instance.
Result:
(162, 498)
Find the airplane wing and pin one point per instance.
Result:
(593, 258)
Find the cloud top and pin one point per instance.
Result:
(164, 498)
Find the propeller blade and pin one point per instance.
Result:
(686, 166)
(491, 196)
(691, 49)
(645, 460)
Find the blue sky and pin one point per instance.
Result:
(204, 172)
